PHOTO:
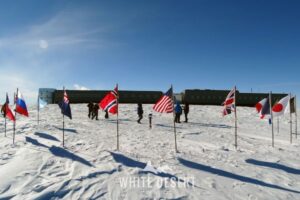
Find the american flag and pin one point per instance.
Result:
(229, 103)
(165, 103)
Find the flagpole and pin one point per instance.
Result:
(295, 104)
(271, 113)
(278, 124)
(63, 120)
(176, 150)
(38, 108)
(15, 99)
(5, 116)
(235, 116)
(118, 118)
(291, 122)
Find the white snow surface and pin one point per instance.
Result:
(146, 166)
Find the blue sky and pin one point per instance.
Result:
(148, 45)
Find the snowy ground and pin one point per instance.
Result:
(147, 167)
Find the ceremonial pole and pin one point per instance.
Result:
(291, 122)
(15, 100)
(175, 138)
(295, 104)
(271, 113)
(235, 116)
(5, 116)
(63, 120)
(38, 109)
(118, 146)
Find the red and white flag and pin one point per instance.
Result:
(263, 107)
(281, 107)
(109, 102)
(229, 103)
(7, 111)
(165, 103)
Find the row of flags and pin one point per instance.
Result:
(164, 105)
(263, 107)
(20, 107)
(285, 105)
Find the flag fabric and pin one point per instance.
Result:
(293, 105)
(281, 107)
(65, 106)
(109, 102)
(263, 107)
(41, 103)
(229, 103)
(165, 103)
(21, 107)
(7, 111)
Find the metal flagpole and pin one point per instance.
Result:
(118, 147)
(176, 150)
(278, 124)
(235, 116)
(15, 100)
(295, 104)
(5, 117)
(63, 118)
(271, 113)
(38, 108)
(291, 122)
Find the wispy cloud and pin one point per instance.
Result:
(41, 54)
(80, 87)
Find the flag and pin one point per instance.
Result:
(281, 107)
(65, 106)
(41, 103)
(21, 107)
(7, 111)
(293, 105)
(165, 103)
(263, 107)
(109, 102)
(229, 103)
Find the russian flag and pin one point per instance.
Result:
(21, 107)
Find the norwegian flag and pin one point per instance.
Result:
(165, 103)
(229, 103)
(65, 106)
(109, 102)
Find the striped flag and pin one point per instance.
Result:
(165, 103)
(109, 102)
(229, 103)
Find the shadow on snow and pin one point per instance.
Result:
(273, 165)
(230, 175)
(60, 152)
(46, 136)
(67, 129)
(129, 162)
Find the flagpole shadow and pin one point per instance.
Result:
(231, 175)
(66, 129)
(46, 136)
(273, 165)
(60, 152)
(211, 125)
